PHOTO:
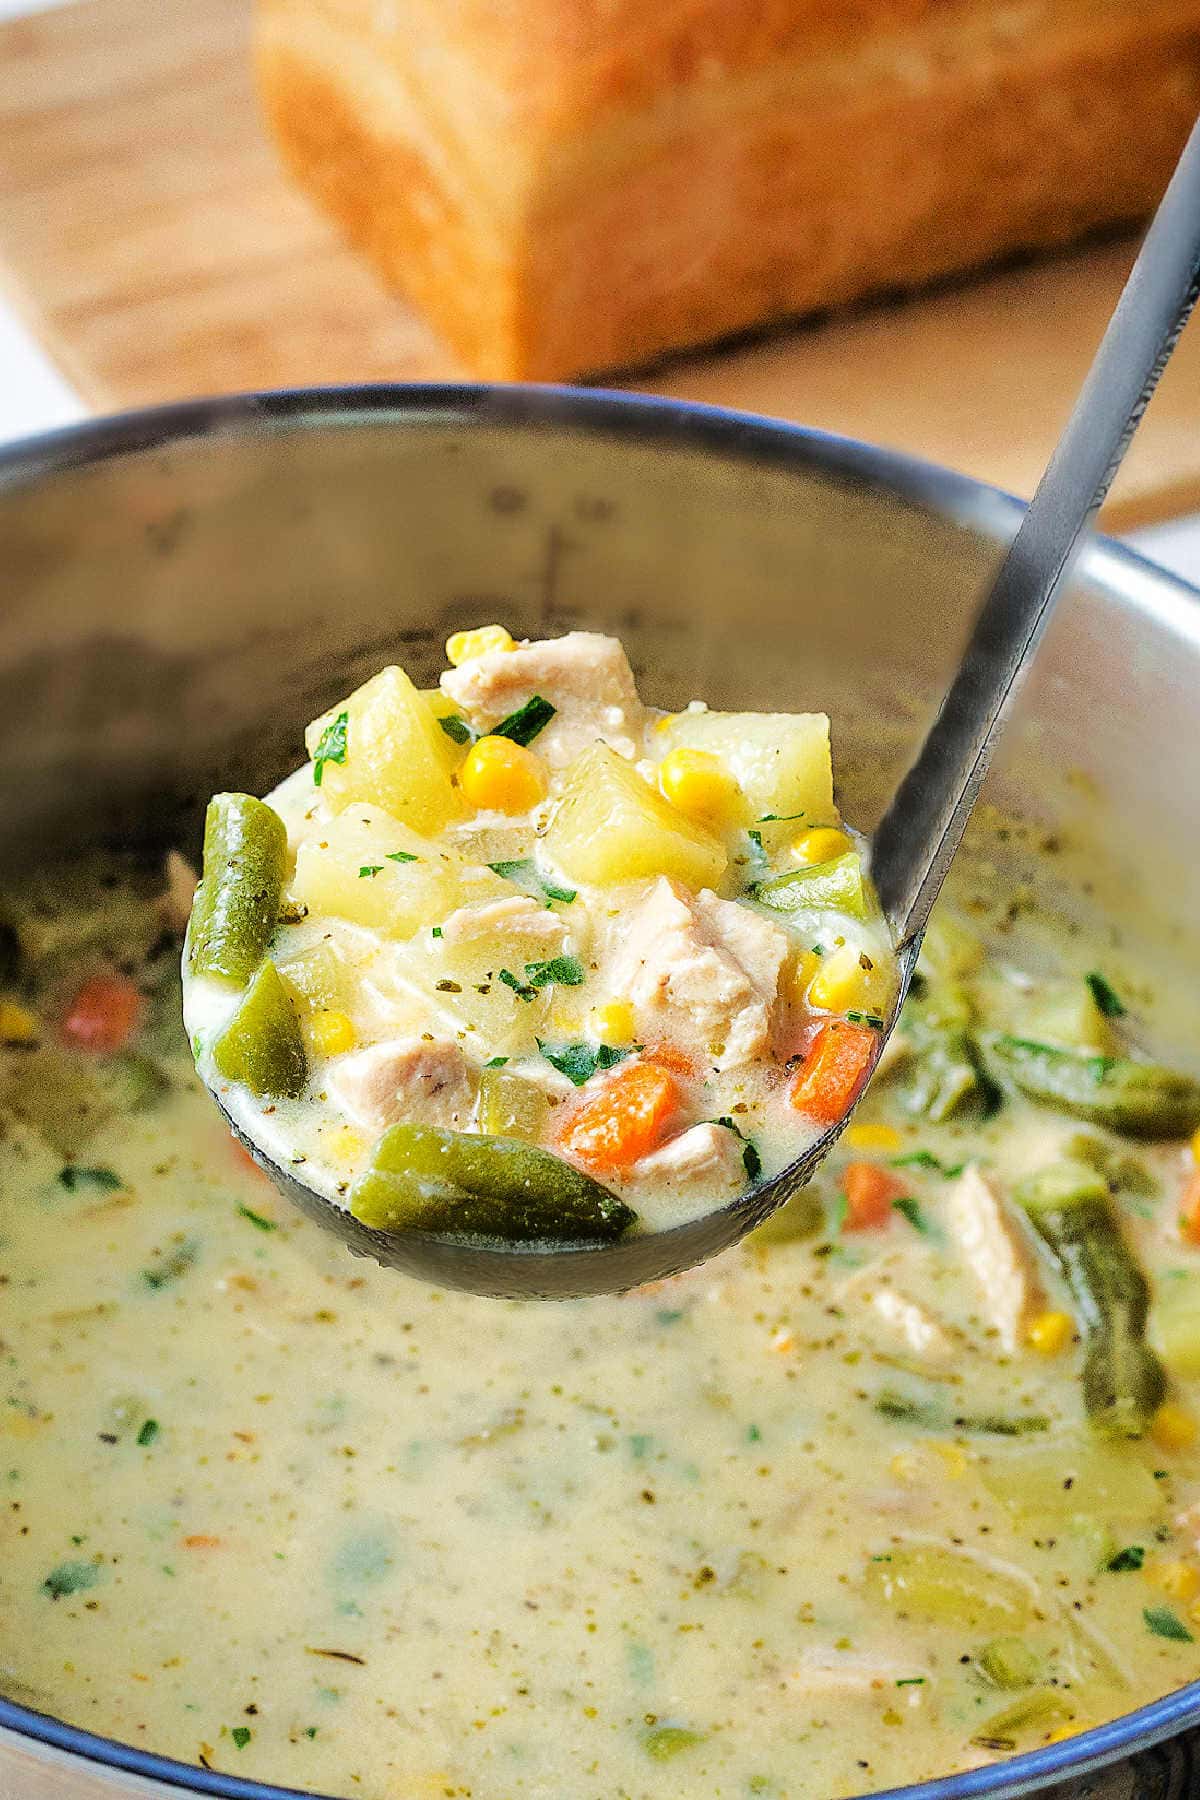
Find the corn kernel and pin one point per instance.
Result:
(464, 645)
(1196, 1145)
(344, 1145)
(501, 776)
(821, 844)
(1050, 1333)
(17, 1024)
(783, 1343)
(1178, 1580)
(873, 1137)
(697, 782)
(329, 1033)
(1062, 1732)
(805, 967)
(849, 979)
(666, 722)
(1173, 1427)
(612, 1023)
(954, 1460)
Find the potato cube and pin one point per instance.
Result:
(610, 825)
(781, 761)
(479, 988)
(385, 746)
(367, 867)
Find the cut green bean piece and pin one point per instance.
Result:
(1123, 1381)
(426, 1178)
(1008, 1662)
(1141, 1100)
(829, 884)
(237, 903)
(946, 1075)
(1039, 1709)
(261, 1045)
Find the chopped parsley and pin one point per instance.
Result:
(1131, 1557)
(370, 869)
(565, 971)
(70, 1578)
(520, 988)
(751, 1160)
(925, 1159)
(910, 1209)
(74, 1177)
(241, 1735)
(579, 1062)
(780, 818)
(257, 1219)
(148, 1433)
(1105, 995)
(524, 869)
(1166, 1624)
(523, 725)
(871, 1019)
(332, 747)
(456, 727)
(401, 856)
(172, 1265)
(435, 931)
(496, 1062)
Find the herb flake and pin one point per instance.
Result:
(579, 1062)
(332, 747)
(401, 856)
(1105, 995)
(370, 869)
(1131, 1557)
(751, 1160)
(1166, 1624)
(561, 971)
(257, 1219)
(148, 1433)
(522, 726)
(70, 1578)
(73, 1177)
(910, 1209)
(457, 728)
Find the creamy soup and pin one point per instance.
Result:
(899, 1486)
(523, 958)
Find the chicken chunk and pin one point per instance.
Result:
(428, 1081)
(998, 1254)
(701, 973)
(840, 1675)
(913, 1326)
(706, 1158)
(585, 675)
(517, 915)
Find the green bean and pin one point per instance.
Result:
(837, 884)
(1072, 1212)
(1008, 1662)
(425, 1178)
(947, 1076)
(261, 1045)
(1141, 1100)
(237, 903)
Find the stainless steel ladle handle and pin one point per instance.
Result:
(924, 824)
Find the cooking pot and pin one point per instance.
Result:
(183, 588)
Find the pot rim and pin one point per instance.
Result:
(646, 418)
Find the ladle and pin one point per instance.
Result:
(924, 824)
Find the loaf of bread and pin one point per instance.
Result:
(565, 186)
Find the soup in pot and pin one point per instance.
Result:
(905, 1483)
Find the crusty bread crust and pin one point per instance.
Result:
(575, 185)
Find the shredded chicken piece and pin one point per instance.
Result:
(427, 1081)
(516, 914)
(998, 1254)
(914, 1325)
(584, 674)
(836, 1674)
(701, 973)
(707, 1157)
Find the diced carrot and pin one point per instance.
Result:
(104, 1014)
(870, 1191)
(827, 1083)
(670, 1056)
(625, 1119)
(1189, 1209)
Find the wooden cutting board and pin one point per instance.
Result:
(150, 239)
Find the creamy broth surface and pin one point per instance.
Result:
(270, 1509)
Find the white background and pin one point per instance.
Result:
(35, 397)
